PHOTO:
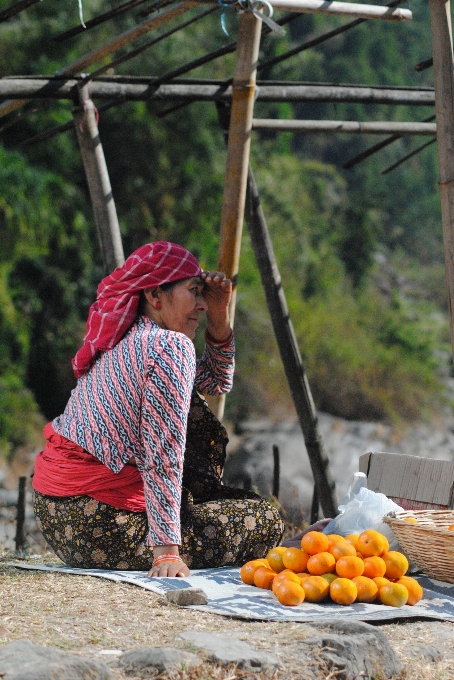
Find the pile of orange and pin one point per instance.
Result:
(355, 568)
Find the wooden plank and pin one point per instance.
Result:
(346, 126)
(440, 16)
(98, 182)
(410, 477)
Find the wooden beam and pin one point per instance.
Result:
(440, 19)
(98, 182)
(109, 47)
(63, 88)
(349, 126)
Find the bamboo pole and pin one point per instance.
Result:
(440, 16)
(12, 10)
(98, 182)
(238, 146)
(346, 9)
(407, 157)
(62, 88)
(348, 126)
(325, 488)
(109, 47)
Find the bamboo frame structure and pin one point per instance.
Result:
(349, 126)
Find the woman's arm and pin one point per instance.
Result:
(165, 404)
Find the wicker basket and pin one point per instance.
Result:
(428, 543)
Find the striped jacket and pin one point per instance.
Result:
(134, 401)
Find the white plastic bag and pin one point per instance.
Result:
(363, 510)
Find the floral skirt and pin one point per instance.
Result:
(220, 525)
(86, 533)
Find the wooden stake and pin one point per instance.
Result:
(238, 146)
(20, 521)
(98, 182)
(440, 15)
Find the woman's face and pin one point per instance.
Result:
(182, 305)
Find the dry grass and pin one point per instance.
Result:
(84, 615)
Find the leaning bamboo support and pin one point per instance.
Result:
(289, 351)
(440, 17)
(98, 182)
(109, 47)
(347, 126)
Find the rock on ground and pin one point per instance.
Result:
(23, 660)
(158, 659)
(351, 650)
(226, 649)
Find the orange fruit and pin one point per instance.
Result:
(374, 566)
(342, 549)
(372, 542)
(343, 591)
(380, 581)
(314, 542)
(303, 576)
(330, 577)
(333, 539)
(349, 566)
(367, 589)
(412, 520)
(285, 575)
(415, 591)
(263, 577)
(274, 558)
(396, 564)
(290, 594)
(451, 528)
(316, 588)
(295, 559)
(353, 539)
(248, 569)
(393, 594)
(321, 563)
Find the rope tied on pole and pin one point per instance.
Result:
(255, 7)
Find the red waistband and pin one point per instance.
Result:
(64, 469)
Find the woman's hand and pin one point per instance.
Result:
(167, 562)
(170, 569)
(217, 293)
(295, 541)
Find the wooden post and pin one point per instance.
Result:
(98, 181)
(20, 521)
(289, 350)
(276, 471)
(440, 16)
(238, 146)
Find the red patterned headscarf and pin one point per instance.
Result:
(118, 295)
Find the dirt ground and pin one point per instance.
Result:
(88, 616)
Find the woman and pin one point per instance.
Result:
(131, 472)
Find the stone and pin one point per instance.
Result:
(226, 649)
(159, 659)
(187, 596)
(23, 660)
(427, 652)
(351, 649)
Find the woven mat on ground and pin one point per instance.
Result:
(229, 596)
